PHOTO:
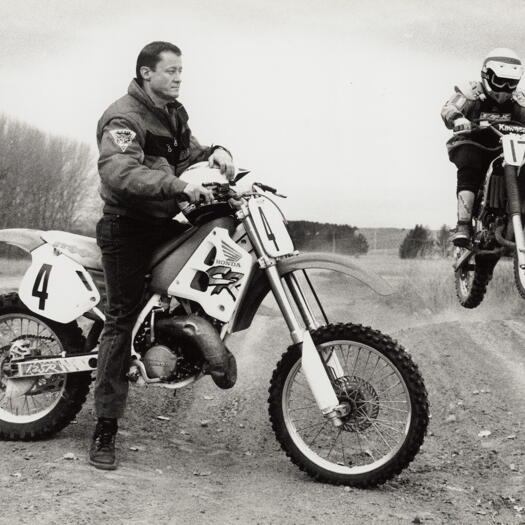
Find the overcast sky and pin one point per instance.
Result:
(335, 102)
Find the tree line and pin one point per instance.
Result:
(50, 183)
(44, 179)
(420, 242)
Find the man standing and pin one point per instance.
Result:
(144, 142)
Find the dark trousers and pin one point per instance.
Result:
(127, 245)
(472, 163)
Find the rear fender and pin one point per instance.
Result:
(259, 286)
(24, 238)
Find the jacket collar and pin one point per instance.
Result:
(136, 91)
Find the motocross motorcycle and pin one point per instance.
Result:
(346, 402)
(496, 219)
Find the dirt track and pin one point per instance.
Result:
(232, 471)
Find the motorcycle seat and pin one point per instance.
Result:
(84, 250)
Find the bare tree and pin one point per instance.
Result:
(442, 240)
(44, 178)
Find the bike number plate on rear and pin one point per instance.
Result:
(57, 287)
(514, 149)
(270, 226)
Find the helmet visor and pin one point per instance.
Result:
(500, 83)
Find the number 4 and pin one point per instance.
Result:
(267, 229)
(42, 278)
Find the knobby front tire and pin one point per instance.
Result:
(472, 279)
(385, 393)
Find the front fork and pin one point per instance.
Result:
(511, 182)
(313, 367)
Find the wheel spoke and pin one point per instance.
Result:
(383, 407)
(318, 433)
(334, 443)
(310, 426)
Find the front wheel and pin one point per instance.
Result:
(519, 277)
(37, 407)
(385, 403)
(472, 278)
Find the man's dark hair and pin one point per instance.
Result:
(150, 56)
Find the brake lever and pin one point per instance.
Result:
(265, 187)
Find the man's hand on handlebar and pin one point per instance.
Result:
(462, 125)
(197, 193)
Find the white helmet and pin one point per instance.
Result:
(501, 73)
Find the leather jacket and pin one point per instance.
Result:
(143, 149)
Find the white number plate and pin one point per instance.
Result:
(270, 227)
(57, 287)
(514, 149)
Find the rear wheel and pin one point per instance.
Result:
(385, 403)
(472, 278)
(36, 407)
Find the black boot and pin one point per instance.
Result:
(102, 451)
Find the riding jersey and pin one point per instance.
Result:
(470, 101)
(143, 149)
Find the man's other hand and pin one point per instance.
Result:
(462, 125)
(224, 160)
(197, 193)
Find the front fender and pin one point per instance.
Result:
(25, 238)
(259, 286)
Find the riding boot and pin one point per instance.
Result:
(461, 237)
(102, 451)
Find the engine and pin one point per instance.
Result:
(183, 346)
(160, 362)
(165, 358)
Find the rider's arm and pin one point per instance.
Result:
(518, 113)
(462, 103)
(121, 163)
(453, 109)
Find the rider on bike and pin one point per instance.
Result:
(495, 98)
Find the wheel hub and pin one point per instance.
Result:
(361, 399)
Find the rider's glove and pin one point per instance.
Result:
(462, 125)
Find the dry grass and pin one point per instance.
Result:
(427, 285)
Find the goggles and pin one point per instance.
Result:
(500, 83)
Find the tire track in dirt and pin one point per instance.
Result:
(474, 373)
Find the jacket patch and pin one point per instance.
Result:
(122, 138)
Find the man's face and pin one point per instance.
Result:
(164, 81)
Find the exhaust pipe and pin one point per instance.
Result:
(199, 334)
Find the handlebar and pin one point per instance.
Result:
(224, 192)
(510, 126)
